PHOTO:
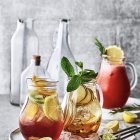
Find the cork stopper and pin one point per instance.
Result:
(37, 59)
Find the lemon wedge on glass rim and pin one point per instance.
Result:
(114, 51)
(113, 125)
(129, 117)
(51, 108)
(115, 54)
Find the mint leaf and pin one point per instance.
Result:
(67, 67)
(79, 64)
(88, 75)
(74, 83)
(100, 46)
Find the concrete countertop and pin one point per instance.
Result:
(9, 117)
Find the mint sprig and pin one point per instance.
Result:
(100, 47)
(84, 75)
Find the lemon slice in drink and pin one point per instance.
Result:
(51, 108)
(34, 96)
(113, 125)
(79, 94)
(46, 138)
(129, 117)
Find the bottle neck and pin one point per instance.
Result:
(20, 24)
(30, 24)
(35, 63)
(65, 31)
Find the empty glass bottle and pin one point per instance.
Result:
(34, 69)
(61, 49)
(17, 46)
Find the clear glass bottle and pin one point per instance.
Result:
(61, 49)
(34, 69)
(31, 42)
(17, 44)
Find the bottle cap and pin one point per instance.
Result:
(37, 59)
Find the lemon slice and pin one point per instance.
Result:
(46, 138)
(113, 125)
(79, 94)
(108, 136)
(88, 97)
(34, 96)
(129, 117)
(114, 51)
(51, 108)
(30, 111)
(115, 54)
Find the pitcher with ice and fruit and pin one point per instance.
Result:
(82, 102)
(113, 77)
(41, 115)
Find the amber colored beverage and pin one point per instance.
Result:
(82, 111)
(114, 82)
(41, 115)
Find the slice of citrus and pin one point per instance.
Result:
(46, 138)
(88, 97)
(30, 111)
(115, 54)
(40, 83)
(113, 125)
(46, 92)
(80, 93)
(108, 136)
(114, 51)
(34, 96)
(51, 108)
(129, 117)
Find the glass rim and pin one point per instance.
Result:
(49, 83)
(120, 58)
(93, 81)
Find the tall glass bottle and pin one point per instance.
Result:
(34, 69)
(17, 44)
(61, 49)
(31, 42)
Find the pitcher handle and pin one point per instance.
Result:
(100, 94)
(134, 80)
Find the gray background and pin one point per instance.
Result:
(112, 21)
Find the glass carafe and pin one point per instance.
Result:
(114, 81)
(41, 115)
(82, 110)
(62, 48)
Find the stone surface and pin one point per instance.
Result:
(113, 22)
(9, 118)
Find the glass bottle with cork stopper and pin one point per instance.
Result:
(33, 70)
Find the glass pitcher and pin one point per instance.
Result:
(114, 81)
(41, 115)
(82, 110)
